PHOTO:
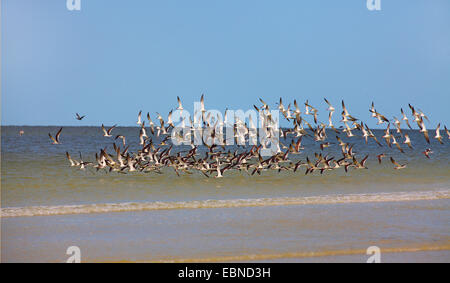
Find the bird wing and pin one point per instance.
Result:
(52, 138)
(202, 101)
(425, 134)
(58, 134)
(394, 162)
(110, 129)
(104, 130)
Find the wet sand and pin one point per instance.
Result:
(237, 234)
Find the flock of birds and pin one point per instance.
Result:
(214, 159)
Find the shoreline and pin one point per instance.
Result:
(317, 256)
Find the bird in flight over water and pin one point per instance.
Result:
(56, 138)
(107, 133)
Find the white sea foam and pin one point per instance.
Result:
(229, 203)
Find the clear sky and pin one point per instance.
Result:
(115, 57)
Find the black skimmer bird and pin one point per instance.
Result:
(380, 156)
(107, 133)
(78, 117)
(427, 152)
(120, 137)
(397, 166)
(56, 138)
(180, 106)
(139, 121)
(438, 134)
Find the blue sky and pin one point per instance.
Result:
(114, 58)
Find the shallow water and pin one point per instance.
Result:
(133, 215)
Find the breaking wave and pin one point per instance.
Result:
(229, 203)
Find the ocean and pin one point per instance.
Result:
(48, 206)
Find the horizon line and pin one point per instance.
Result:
(138, 126)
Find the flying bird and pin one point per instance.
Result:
(72, 162)
(107, 133)
(438, 134)
(330, 107)
(427, 152)
(380, 156)
(423, 130)
(202, 103)
(397, 166)
(139, 121)
(180, 106)
(56, 138)
(78, 117)
(120, 137)
(407, 141)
